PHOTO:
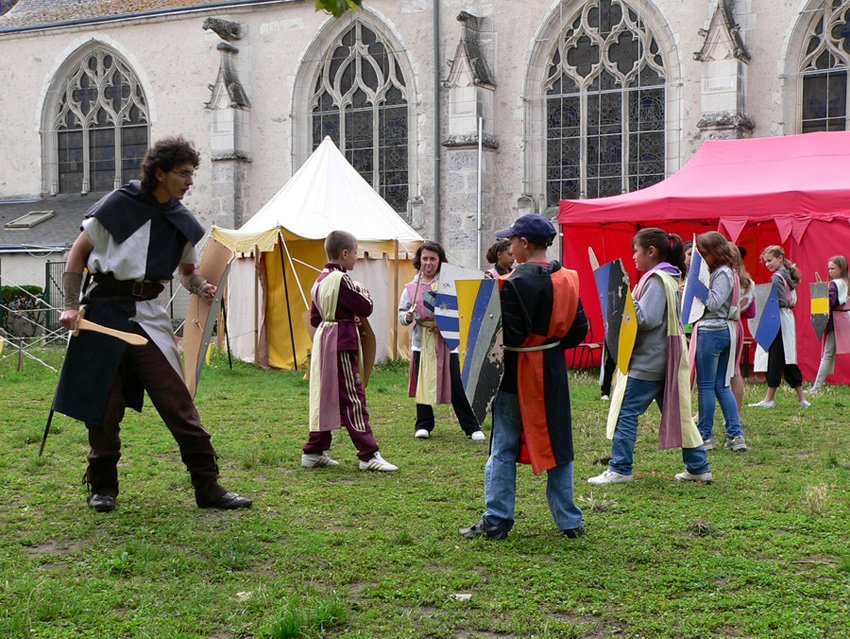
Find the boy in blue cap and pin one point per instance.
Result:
(542, 316)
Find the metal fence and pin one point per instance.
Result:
(54, 294)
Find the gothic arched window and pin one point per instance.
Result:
(605, 106)
(824, 70)
(360, 101)
(100, 125)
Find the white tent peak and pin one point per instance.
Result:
(327, 194)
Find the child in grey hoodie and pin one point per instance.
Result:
(659, 369)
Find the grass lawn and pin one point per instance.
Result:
(762, 552)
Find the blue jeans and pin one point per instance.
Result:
(713, 349)
(500, 472)
(639, 395)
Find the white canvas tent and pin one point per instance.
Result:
(280, 252)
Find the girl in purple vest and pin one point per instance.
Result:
(434, 369)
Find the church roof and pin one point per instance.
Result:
(46, 13)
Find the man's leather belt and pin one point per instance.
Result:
(132, 290)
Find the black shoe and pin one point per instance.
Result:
(485, 528)
(573, 533)
(230, 501)
(101, 503)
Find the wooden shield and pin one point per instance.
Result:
(446, 303)
(696, 289)
(766, 324)
(201, 316)
(820, 307)
(618, 311)
(368, 345)
(481, 346)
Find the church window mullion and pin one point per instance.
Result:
(824, 86)
(370, 127)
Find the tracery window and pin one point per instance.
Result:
(360, 101)
(605, 106)
(101, 125)
(824, 70)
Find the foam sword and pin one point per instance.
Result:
(87, 325)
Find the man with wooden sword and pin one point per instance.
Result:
(133, 240)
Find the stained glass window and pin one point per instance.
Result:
(605, 106)
(360, 101)
(101, 125)
(824, 70)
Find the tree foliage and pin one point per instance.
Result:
(337, 7)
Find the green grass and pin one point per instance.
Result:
(762, 552)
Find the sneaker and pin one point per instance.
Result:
(736, 444)
(378, 463)
(478, 436)
(605, 398)
(485, 529)
(804, 404)
(318, 461)
(101, 503)
(814, 390)
(573, 533)
(611, 477)
(689, 476)
(709, 444)
(763, 404)
(422, 433)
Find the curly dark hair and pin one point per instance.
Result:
(429, 246)
(166, 154)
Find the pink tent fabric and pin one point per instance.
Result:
(792, 190)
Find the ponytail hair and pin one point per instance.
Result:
(669, 246)
(841, 262)
(774, 250)
(743, 276)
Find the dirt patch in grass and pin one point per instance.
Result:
(55, 547)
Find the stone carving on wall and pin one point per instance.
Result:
(724, 56)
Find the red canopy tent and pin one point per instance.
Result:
(792, 190)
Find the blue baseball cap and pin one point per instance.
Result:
(533, 227)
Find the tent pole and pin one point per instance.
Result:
(286, 297)
(395, 296)
(294, 272)
(256, 305)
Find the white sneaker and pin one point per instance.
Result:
(318, 461)
(422, 433)
(805, 404)
(763, 404)
(605, 398)
(814, 390)
(378, 463)
(611, 477)
(478, 436)
(689, 476)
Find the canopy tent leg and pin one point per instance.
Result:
(288, 308)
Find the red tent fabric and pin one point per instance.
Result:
(792, 190)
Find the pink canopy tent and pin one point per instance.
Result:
(792, 190)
